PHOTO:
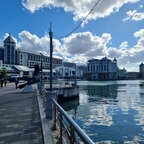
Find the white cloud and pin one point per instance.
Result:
(80, 47)
(114, 52)
(129, 15)
(4, 37)
(133, 56)
(134, 15)
(85, 45)
(138, 16)
(140, 34)
(124, 45)
(79, 8)
(33, 42)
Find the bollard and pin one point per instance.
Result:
(49, 110)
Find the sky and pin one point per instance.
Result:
(82, 29)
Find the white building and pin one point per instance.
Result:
(103, 69)
(31, 58)
(122, 74)
(68, 72)
(16, 70)
(22, 61)
(7, 66)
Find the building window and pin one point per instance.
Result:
(104, 67)
(107, 67)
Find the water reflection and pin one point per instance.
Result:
(111, 112)
(98, 93)
(71, 106)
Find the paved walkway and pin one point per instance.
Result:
(19, 117)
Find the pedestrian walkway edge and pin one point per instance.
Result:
(47, 134)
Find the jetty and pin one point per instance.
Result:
(34, 116)
(64, 90)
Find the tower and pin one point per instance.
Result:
(9, 50)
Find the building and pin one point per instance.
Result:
(122, 74)
(8, 67)
(69, 72)
(1, 53)
(31, 58)
(23, 61)
(141, 70)
(103, 69)
(83, 68)
(10, 54)
(68, 64)
(9, 51)
(133, 75)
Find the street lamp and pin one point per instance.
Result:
(51, 53)
(41, 69)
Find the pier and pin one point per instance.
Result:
(65, 90)
(35, 117)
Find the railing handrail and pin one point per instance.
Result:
(82, 135)
(78, 130)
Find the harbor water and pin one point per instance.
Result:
(110, 111)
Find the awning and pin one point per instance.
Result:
(8, 68)
(22, 68)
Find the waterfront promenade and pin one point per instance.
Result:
(20, 121)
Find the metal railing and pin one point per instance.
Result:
(69, 131)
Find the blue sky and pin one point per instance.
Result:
(112, 29)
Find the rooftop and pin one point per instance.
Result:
(9, 39)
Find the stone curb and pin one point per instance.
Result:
(47, 133)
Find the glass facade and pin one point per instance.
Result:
(2, 54)
(10, 55)
(9, 51)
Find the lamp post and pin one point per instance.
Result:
(51, 51)
(75, 76)
(41, 69)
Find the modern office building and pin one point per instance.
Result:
(1, 53)
(103, 69)
(9, 50)
(10, 54)
(31, 58)
(26, 59)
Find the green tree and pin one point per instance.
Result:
(4, 73)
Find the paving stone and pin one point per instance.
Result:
(20, 122)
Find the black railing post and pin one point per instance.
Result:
(61, 119)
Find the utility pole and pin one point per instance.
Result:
(51, 51)
(50, 94)
(41, 69)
